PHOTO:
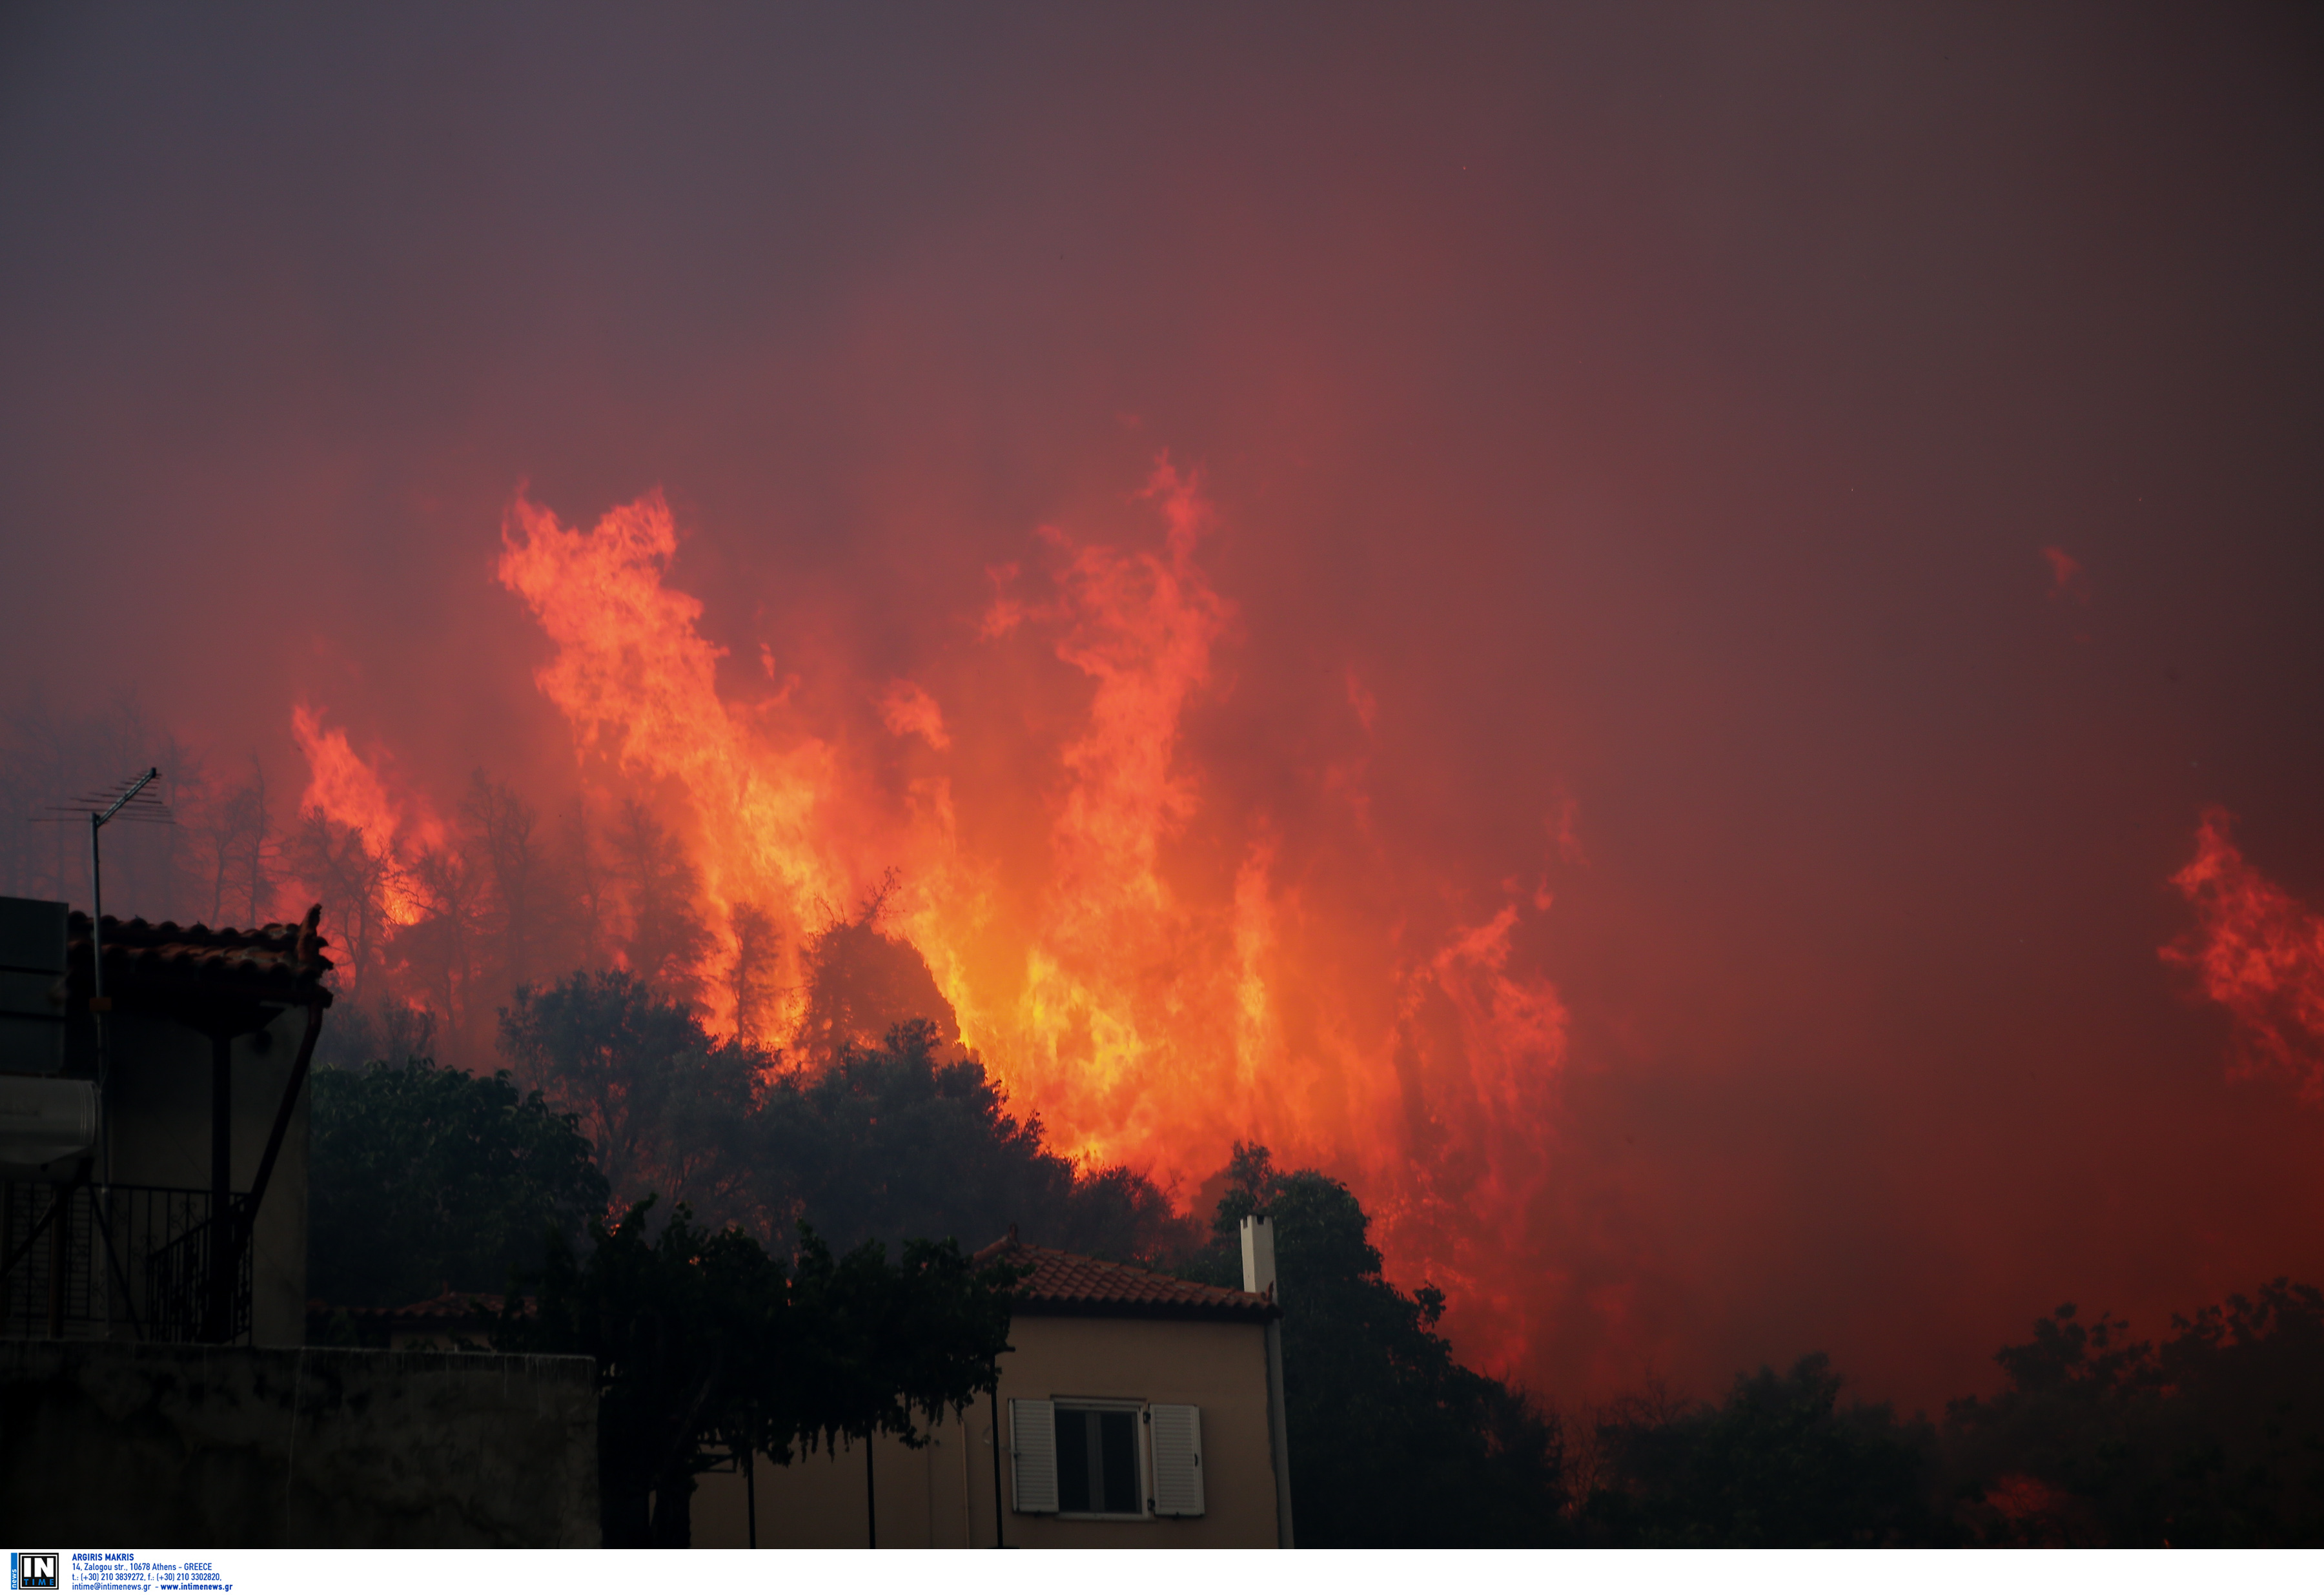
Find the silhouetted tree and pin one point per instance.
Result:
(1780, 1462)
(524, 880)
(885, 1144)
(2214, 1438)
(1393, 1442)
(861, 982)
(755, 976)
(588, 891)
(898, 1140)
(231, 831)
(889, 1348)
(666, 939)
(357, 880)
(423, 1178)
(448, 886)
(666, 1106)
(387, 1031)
(706, 1347)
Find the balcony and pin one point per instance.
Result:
(122, 1262)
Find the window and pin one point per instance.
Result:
(1097, 1460)
(1092, 1458)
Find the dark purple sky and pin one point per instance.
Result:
(1666, 408)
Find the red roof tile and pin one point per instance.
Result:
(1063, 1284)
(452, 1306)
(1066, 1283)
(454, 1313)
(145, 962)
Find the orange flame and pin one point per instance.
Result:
(2259, 953)
(345, 789)
(1114, 994)
(638, 682)
(909, 711)
(1153, 970)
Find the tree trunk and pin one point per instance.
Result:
(673, 1511)
(623, 1515)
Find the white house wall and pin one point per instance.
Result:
(943, 1495)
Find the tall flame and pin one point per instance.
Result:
(1153, 969)
(347, 790)
(1122, 1001)
(638, 681)
(2259, 953)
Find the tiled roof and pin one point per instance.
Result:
(1063, 1284)
(454, 1306)
(458, 1316)
(148, 962)
(1066, 1283)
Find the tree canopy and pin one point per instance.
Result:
(898, 1140)
(668, 1107)
(2215, 1437)
(908, 1138)
(707, 1347)
(423, 1179)
(1781, 1461)
(1393, 1442)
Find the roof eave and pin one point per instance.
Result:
(1205, 1311)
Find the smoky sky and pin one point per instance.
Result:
(1661, 409)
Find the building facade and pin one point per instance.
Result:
(153, 1173)
(1133, 1412)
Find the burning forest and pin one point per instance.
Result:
(1024, 853)
(1690, 682)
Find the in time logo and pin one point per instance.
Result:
(32, 1570)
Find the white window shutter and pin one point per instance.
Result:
(1177, 1433)
(1033, 1444)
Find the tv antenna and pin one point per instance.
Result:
(135, 801)
(131, 800)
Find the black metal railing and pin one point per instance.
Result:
(87, 1261)
(180, 1289)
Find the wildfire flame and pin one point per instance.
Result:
(344, 789)
(2259, 953)
(1151, 1010)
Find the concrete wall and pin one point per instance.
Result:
(943, 1495)
(107, 1444)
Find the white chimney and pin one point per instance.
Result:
(1258, 1278)
(1259, 1256)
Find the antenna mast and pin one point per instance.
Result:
(130, 801)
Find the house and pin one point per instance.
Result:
(152, 1287)
(154, 1133)
(1135, 1410)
